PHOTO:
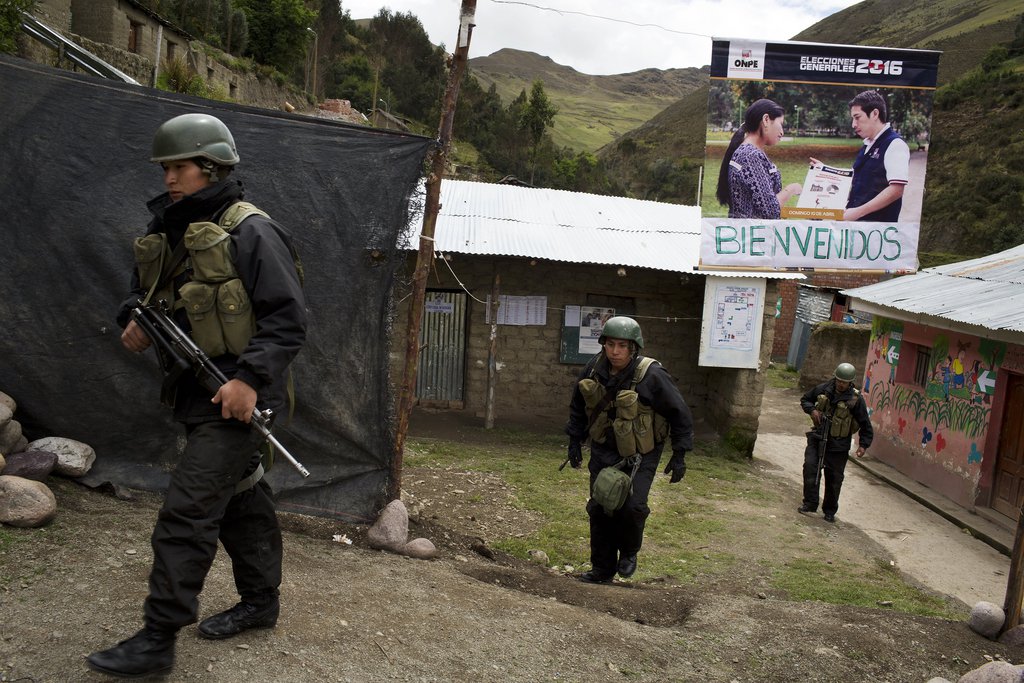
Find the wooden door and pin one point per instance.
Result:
(1008, 491)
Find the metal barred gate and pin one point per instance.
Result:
(440, 376)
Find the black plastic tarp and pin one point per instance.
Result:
(74, 178)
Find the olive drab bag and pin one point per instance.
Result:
(612, 485)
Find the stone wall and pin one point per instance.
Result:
(832, 344)
(102, 27)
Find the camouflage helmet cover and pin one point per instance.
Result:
(845, 372)
(621, 327)
(194, 135)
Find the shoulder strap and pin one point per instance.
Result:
(238, 212)
(641, 370)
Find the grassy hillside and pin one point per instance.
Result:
(676, 134)
(592, 110)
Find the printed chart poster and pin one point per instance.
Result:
(828, 173)
(733, 324)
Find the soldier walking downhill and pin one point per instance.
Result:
(839, 407)
(628, 406)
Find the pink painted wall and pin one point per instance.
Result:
(933, 395)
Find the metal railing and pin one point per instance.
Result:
(75, 53)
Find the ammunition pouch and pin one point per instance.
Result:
(215, 301)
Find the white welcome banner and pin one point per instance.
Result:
(808, 245)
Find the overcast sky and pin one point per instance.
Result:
(598, 46)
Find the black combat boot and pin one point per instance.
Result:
(148, 652)
(594, 576)
(241, 617)
(627, 565)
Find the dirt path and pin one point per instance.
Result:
(353, 614)
(923, 544)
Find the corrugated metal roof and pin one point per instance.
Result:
(987, 291)
(572, 227)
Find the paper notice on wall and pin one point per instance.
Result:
(824, 193)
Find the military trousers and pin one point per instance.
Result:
(202, 507)
(837, 453)
(620, 534)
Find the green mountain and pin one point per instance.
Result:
(592, 110)
(974, 190)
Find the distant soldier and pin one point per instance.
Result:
(628, 406)
(838, 412)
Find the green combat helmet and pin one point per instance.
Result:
(845, 372)
(194, 135)
(621, 327)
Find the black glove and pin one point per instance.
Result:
(676, 466)
(575, 454)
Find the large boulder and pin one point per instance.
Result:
(25, 503)
(74, 458)
(9, 402)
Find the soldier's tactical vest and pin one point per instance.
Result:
(843, 423)
(214, 298)
(636, 426)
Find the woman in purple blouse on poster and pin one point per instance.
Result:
(748, 182)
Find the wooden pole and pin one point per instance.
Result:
(1015, 582)
(492, 353)
(425, 255)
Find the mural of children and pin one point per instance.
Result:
(958, 368)
(975, 370)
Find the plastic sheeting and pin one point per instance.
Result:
(74, 178)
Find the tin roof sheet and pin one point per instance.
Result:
(987, 291)
(572, 227)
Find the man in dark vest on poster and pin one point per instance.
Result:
(881, 170)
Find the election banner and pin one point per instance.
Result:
(816, 156)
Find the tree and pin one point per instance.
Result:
(277, 31)
(10, 22)
(411, 68)
(536, 117)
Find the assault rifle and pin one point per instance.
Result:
(825, 426)
(180, 353)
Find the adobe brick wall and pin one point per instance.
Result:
(788, 291)
(831, 344)
(735, 395)
(531, 380)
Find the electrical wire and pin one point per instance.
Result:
(598, 16)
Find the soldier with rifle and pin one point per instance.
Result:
(217, 290)
(838, 411)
